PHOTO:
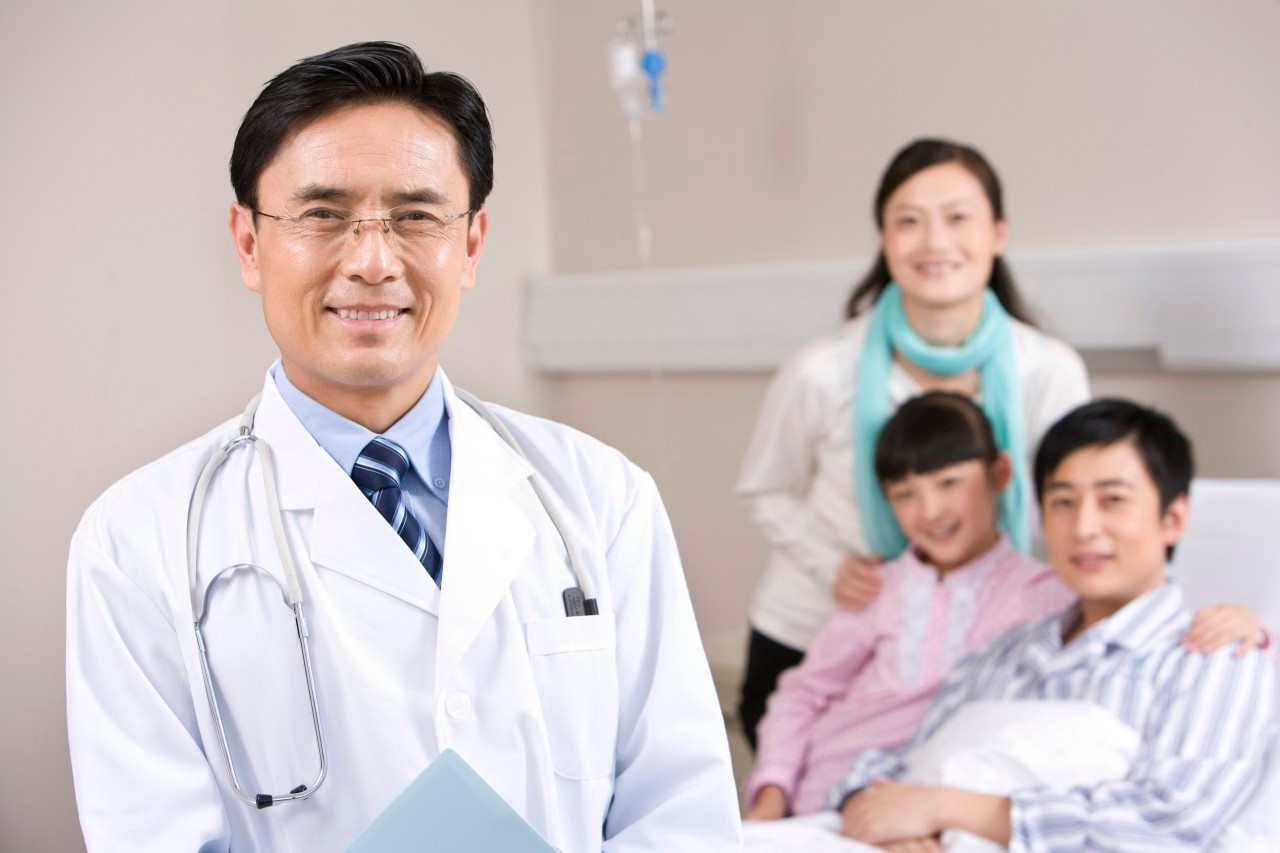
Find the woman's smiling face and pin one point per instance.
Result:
(940, 238)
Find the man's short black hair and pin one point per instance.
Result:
(364, 73)
(1164, 450)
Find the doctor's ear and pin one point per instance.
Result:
(477, 233)
(244, 235)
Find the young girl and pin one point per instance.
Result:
(869, 676)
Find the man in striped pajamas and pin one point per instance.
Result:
(1112, 478)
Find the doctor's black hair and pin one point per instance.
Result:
(932, 431)
(915, 158)
(372, 72)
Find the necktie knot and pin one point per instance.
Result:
(381, 465)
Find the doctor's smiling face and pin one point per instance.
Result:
(360, 310)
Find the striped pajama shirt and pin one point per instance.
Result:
(1207, 724)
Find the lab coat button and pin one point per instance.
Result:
(458, 706)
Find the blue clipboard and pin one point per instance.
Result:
(449, 809)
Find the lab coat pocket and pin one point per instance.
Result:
(575, 668)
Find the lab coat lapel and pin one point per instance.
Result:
(348, 535)
(488, 534)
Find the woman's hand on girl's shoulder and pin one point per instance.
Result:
(858, 582)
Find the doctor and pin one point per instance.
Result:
(359, 220)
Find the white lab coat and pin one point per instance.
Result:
(582, 724)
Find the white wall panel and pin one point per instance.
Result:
(1207, 307)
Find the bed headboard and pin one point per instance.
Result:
(1230, 552)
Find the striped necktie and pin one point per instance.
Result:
(379, 469)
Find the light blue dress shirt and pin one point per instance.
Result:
(423, 432)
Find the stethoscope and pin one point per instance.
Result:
(579, 600)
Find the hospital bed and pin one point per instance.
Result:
(1229, 553)
(1231, 549)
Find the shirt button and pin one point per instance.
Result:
(458, 706)
(439, 481)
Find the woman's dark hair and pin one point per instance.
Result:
(365, 73)
(916, 157)
(932, 431)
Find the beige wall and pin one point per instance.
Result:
(128, 331)
(1142, 122)
(1112, 123)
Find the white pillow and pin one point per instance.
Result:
(999, 747)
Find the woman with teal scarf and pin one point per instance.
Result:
(938, 311)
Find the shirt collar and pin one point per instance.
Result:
(1145, 619)
(423, 431)
(971, 571)
(1143, 623)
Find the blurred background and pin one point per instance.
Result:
(1131, 135)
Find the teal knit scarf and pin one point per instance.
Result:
(990, 350)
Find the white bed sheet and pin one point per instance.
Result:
(996, 748)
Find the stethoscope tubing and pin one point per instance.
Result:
(539, 488)
(246, 437)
